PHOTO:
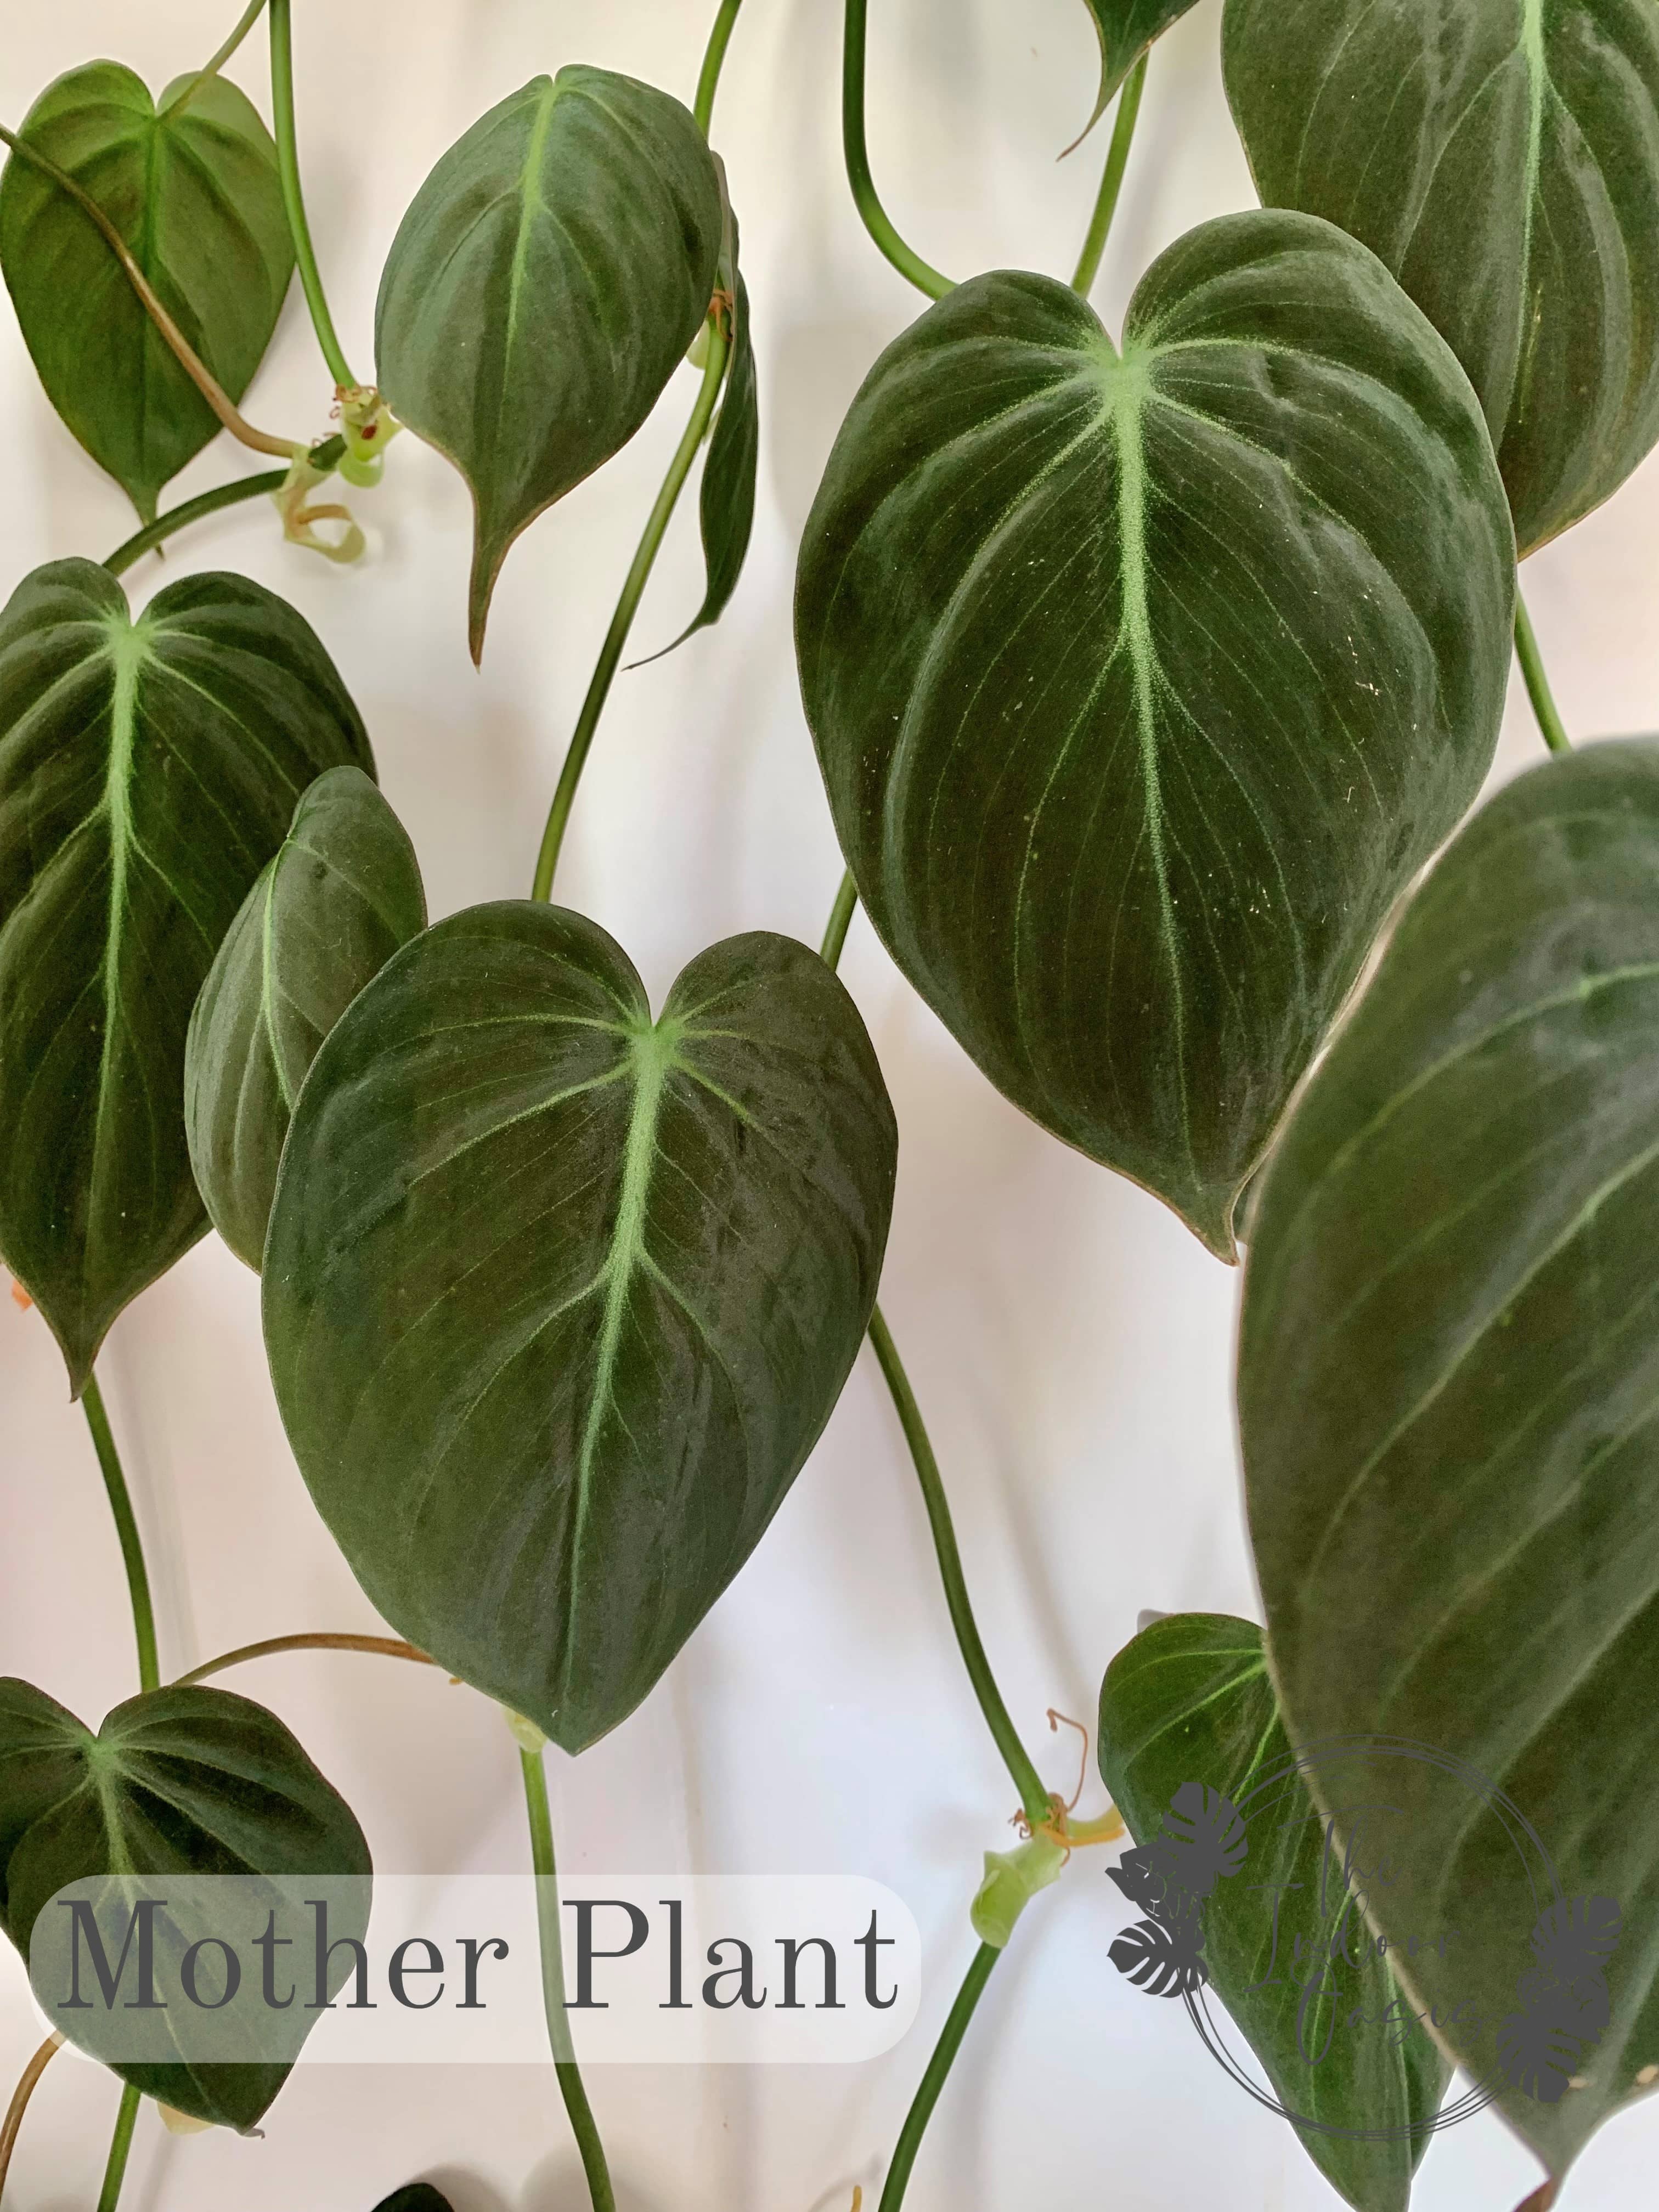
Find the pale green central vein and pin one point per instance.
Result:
(1532, 47)
(653, 1055)
(530, 204)
(127, 654)
(1138, 640)
(268, 983)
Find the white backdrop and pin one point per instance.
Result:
(1069, 1340)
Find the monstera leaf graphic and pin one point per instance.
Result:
(1538, 2056)
(1582, 2007)
(1144, 1875)
(1206, 1836)
(1564, 2003)
(1577, 1936)
(1165, 1957)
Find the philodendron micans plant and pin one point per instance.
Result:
(1154, 679)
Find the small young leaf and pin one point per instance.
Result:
(1187, 1712)
(557, 1299)
(1502, 156)
(325, 916)
(543, 287)
(195, 194)
(149, 769)
(1141, 685)
(1011, 1880)
(1447, 1381)
(727, 498)
(175, 1781)
(1126, 29)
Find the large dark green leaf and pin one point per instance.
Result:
(418, 2196)
(1449, 1373)
(542, 290)
(1126, 29)
(328, 913)
(1189, 1700)
(176, 1781)
(194, 191)
(1141, 683)
(1502, 158)
(557, 1299)
(149, 769)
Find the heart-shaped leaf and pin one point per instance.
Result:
(1502, 156)
(557, 1299)
(1126, 29)
(149, 769)
(193, 190)
(176, 1781)
(543, 287)
(1188, 1707)
(1447, 1373)
(325, 916)
(1142, 683)
(419, 2197)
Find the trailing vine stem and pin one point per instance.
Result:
(1111, 180)
(11, 2125)
(126, 1527)
(1034, 1798)
(909, 264)
(1537, 684)
(710, 77)
(115, 2171)
(259, 441)
(621, 622)
(938, 2066)
(288, 168)
(325, 456)
(582, 2123)
(188, 90)
(841, 918)
(383, 1647)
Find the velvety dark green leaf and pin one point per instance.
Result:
(328, 913)
(419, 2197)
(176, 1781)
(194, 191)
(1502, 158)
(1189, 1700)
(1448, 1376)
(542, 290)
(149, 769)
(557, 1299)
(1141, 683)
(1126, 29)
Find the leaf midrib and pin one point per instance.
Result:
(653, 1055)
(530, 204)
(126, 651)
